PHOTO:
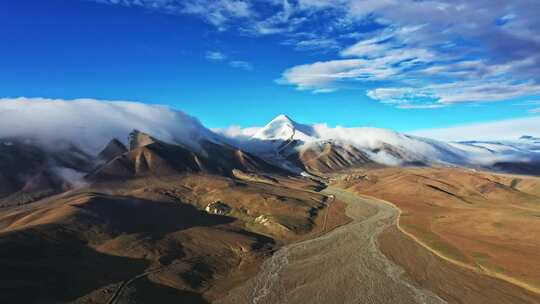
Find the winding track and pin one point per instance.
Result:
(342, 266)
(118, 292)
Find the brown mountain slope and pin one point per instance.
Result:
(153, 157)
(17, 162)
(81, 245)
(29, 172)
(329, 157)
(113, 149)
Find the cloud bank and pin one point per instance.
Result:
(90, 124)
(237, 132)
(510, 129)
(394, 148)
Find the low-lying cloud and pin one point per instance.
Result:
(90, 124)
(509, 129)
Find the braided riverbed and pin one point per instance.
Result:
(342, 266)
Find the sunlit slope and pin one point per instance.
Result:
(486, 221)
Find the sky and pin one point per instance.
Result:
(406, 65)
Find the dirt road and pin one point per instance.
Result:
(118, 293)
(342, 266)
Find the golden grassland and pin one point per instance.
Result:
(488, 223)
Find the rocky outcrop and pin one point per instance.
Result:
(270, 223)
(218, 208)
(113, 149)
(139, 139)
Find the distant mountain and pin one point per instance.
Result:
(514, 156)
(320, 149)
(28, 171)
(33, 166)
(150, 156)
(283, 128)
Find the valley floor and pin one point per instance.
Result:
(375, 259)
(386, 235)
(342, 266)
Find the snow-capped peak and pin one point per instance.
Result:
(282, 117)
(284, 128)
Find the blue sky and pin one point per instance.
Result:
(408, 66)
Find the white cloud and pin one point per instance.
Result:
(383, 57)
(215, 56)
(237, 132)
(219, 56)
(389, 63)
(366, 48)
(237, 64)
(397, 95)
(240, 64)
(456, 92)
(320, 44)
(431, 43)
(218, 12)
(323, 76)
(90, 124)
(510, 129)
(374, 59)
(73, 178)
(278, 20)
(420, 106)
(482, 91)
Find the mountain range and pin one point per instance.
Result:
(321, 148)
(282, 146)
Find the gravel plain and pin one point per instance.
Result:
(342, 266)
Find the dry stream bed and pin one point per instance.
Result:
(342, 266)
